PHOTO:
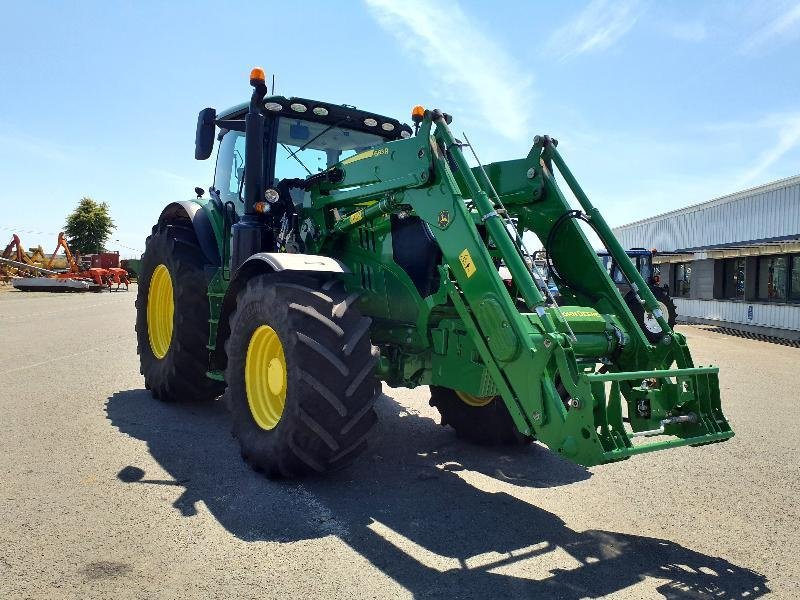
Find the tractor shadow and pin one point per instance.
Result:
(404, 507)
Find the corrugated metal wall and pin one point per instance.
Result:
(769, 211)
(702, 279)
(781, 316)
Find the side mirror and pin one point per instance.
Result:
(204, 138)
(199, 191)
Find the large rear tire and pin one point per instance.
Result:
(484, 421)
(172, 317)
(300, 375)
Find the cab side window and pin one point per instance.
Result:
(229, 175)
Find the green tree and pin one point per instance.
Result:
(88, 226)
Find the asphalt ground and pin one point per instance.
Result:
(107, 493)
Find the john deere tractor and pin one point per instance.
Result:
(340, 248)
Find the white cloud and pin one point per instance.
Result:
(173, 177)
(680, 164)
(786, 127)
(783, 27)
(44, 149)
(597, 27)
(776, 134)
(691, 31)
(463, 59)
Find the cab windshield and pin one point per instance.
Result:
(305, 148)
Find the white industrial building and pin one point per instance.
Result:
(733, 261)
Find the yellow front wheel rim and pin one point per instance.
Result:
(476, 401)
(265, 377)
(160, 311)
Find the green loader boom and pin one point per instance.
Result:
(562, 371)
(419, 239)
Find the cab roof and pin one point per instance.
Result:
(342, 115)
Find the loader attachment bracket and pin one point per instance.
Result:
(683, 405)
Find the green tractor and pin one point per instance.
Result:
(643, 261)
(341, 248)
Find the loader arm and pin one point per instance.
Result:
(582, 378)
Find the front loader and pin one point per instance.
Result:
(340, 248)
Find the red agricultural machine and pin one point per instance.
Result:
(27, 274)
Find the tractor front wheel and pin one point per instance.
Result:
(300, 375)
(648, 323)
(480, 420)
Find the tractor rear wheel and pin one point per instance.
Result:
(300, 375)
(172, 317)
(480, 420)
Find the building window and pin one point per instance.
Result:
(794, 289)
(772, 278)
(683, 279)
(733, 273)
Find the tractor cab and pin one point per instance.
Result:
(302, 138)
(641, 258)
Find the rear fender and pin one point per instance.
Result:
(201, 223)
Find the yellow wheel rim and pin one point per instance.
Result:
(265, 377)
(160, 310)
(476, 401)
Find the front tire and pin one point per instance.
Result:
(300, 375)
(484, 421)
(647, 322)
(172, 317)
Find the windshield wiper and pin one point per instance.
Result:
(292, 155)
(316, 137)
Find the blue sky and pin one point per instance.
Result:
(656, 105)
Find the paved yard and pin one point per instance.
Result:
(107, 493)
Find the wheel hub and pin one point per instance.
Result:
(472, 400)
(160, 311)
(265, 377)
(650, 321)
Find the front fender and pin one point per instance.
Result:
(284, 261)
(257, 264)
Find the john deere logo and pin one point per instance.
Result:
(444, 219)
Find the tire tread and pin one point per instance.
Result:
(329, 412)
